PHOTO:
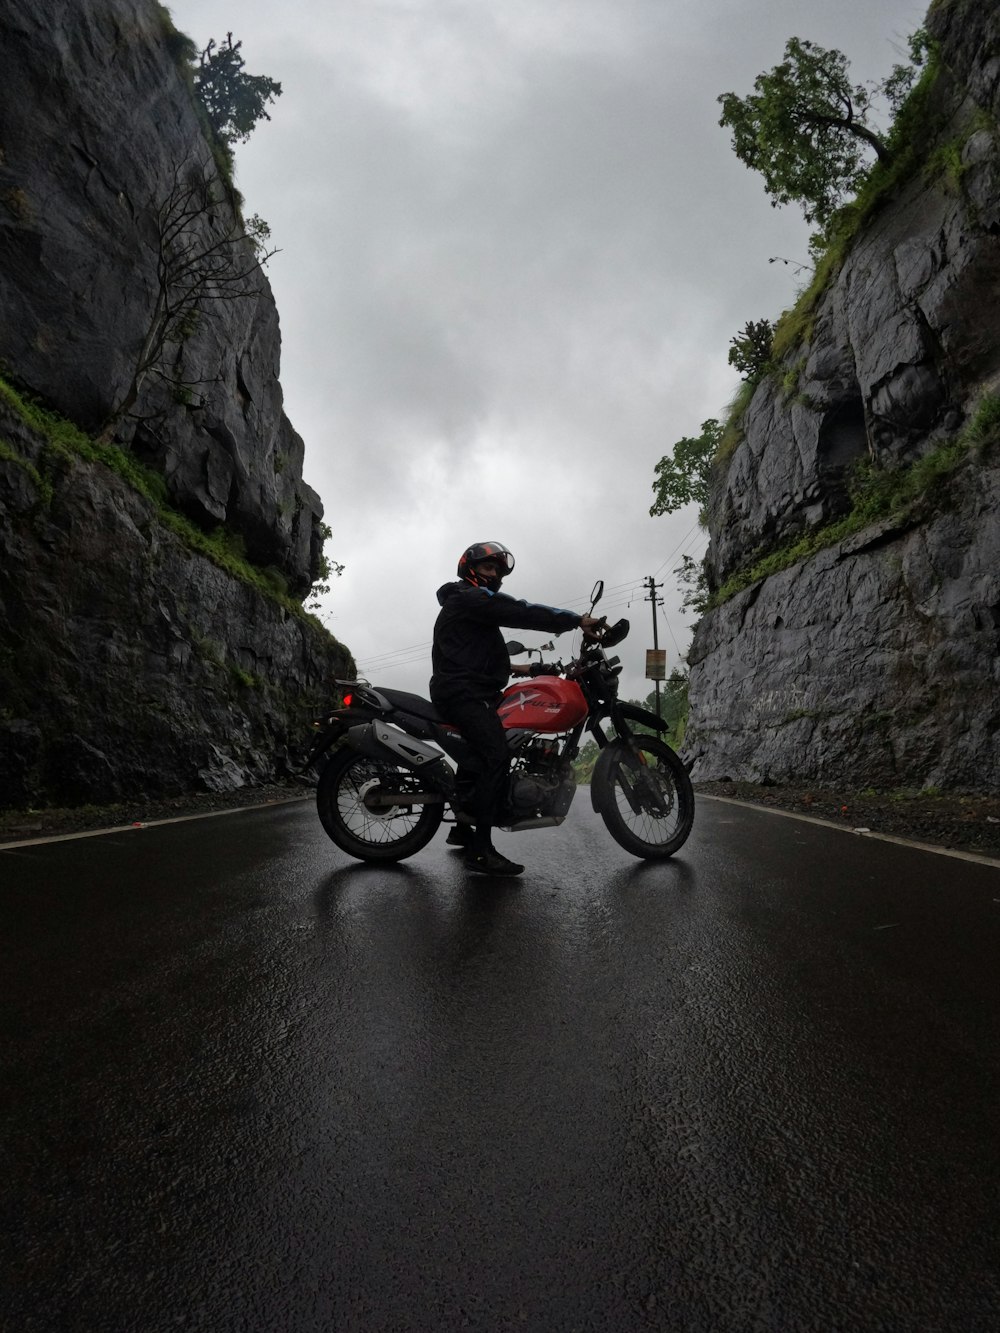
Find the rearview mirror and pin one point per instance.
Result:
(597, 593)
(514, 647)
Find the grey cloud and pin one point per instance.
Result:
(515, 246)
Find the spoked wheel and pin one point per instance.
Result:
(645, 796)
(350, 801)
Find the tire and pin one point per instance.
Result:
(647, 804)
(384, 835)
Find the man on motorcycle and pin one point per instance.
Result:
(471, 666)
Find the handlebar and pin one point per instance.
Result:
(594, 633)
(590, 650)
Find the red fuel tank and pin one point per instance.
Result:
(546, 703)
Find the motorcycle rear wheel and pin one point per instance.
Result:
(372, 835)
(647, 804)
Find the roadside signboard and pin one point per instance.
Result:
(656, 664)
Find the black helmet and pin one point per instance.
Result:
(478, 552)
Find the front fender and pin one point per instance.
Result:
(600, 782)
(643, 716)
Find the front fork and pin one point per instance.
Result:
(640, 787)
(642, 791)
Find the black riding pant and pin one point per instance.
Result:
(486, 775)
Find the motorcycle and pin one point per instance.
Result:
(386, 784)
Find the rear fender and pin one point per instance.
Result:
(331, 729)
(326, 738)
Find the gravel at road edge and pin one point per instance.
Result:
(18, 825)
(961, 821)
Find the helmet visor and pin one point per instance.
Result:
(495, 551)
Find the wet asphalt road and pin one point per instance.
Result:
(251, 1085)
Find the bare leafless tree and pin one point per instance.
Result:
(205, 254)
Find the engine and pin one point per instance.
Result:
(542, 784)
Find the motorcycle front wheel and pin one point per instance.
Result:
(367, 833)
(645, 797)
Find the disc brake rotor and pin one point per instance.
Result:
(647, 792)
(366, 794)
(659, 794)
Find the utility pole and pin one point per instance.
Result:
(658, 667)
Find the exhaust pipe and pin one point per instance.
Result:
(544, 821)
(380, 741)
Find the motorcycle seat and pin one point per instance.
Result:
(412, 703)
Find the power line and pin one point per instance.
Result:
(618, 595)
(408, 649)
(694, 527)
(670, 631)
(377, 659)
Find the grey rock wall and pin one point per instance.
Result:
(129, 664)
(875, 662)
(96, 125)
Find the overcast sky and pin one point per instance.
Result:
(515, 244)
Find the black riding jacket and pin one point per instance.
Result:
(469, 658)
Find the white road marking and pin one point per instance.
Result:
(858, 832)
(140, 824)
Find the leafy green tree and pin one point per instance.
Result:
(682, 477)
(807, 128)
(325, 569)
(234, 101)
(897, 87)
(693, 580)
(583, 764)
(673, 706)
(750, 351)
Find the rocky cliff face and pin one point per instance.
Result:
(98, 127)
(874, 662)
(129, 662)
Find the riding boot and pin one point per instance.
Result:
(483, 857)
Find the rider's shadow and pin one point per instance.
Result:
(426, 936)
(474, 900)
(362, 875)
(481, 904)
